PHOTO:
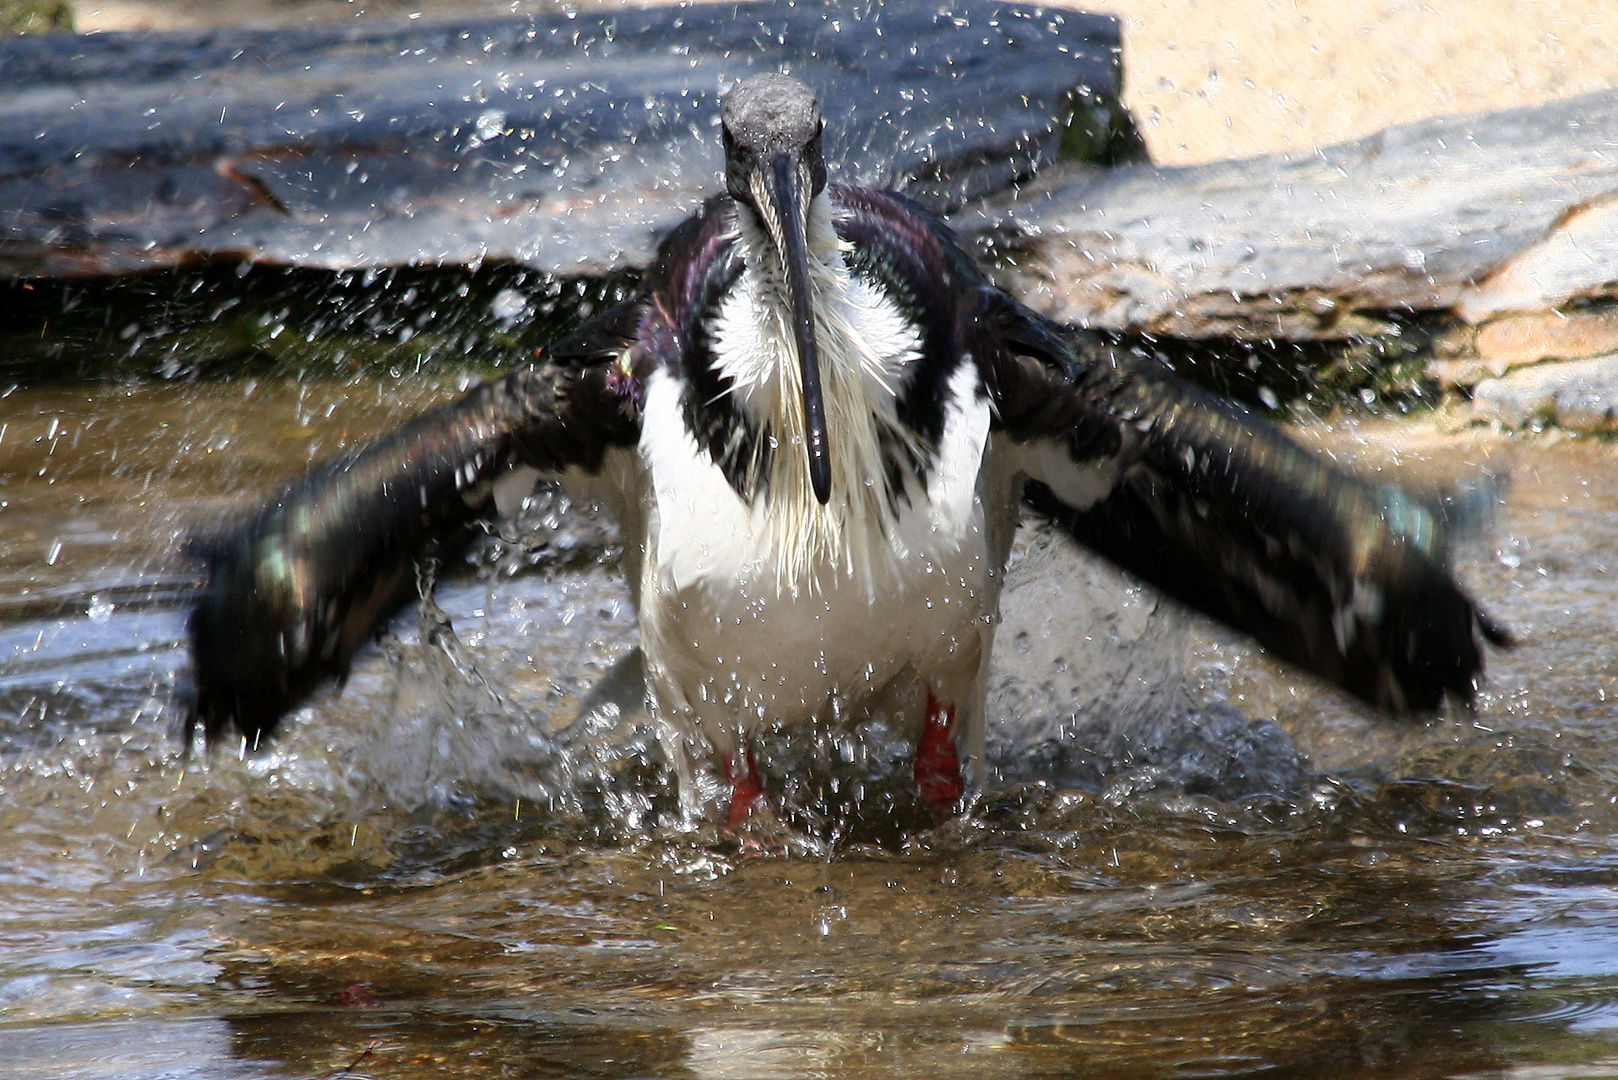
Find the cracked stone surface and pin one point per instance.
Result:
(1476, 216)
(1580, 395)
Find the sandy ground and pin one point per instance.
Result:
(1222, 78)
(1205, 78)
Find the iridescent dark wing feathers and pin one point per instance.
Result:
(1193, 494)
(1347, 579)
(293, 592)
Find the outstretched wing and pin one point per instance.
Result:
(1194, 494)
(308, 579)
(1203, 499)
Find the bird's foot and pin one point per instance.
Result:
(751, 822)
(746, 790)
(938, 781)
(765, 836)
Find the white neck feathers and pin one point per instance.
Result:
(864, 345)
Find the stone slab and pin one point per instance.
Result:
(566, 142)
(1467, 355)
(1471, 216)
(1580, 395)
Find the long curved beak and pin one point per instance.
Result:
(783, 194)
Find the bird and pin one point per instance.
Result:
(819, 425)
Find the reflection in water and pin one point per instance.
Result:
(976, 961)
(1190, 862)
(111, 1049)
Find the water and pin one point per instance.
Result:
(428, 878)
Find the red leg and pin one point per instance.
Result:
(745, 788)
(938, 763)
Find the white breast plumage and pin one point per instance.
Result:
(758, 612)
(867, 345)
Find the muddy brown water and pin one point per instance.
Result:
(425, 879)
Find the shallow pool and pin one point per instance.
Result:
(426, 877)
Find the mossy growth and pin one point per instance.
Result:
(35, 17)
(226, 321)
(1098, 130)
(1380, 372)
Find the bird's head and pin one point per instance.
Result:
(774, 166)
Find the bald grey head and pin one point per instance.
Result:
(771, 112)
(765, 116)
(774, 167)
